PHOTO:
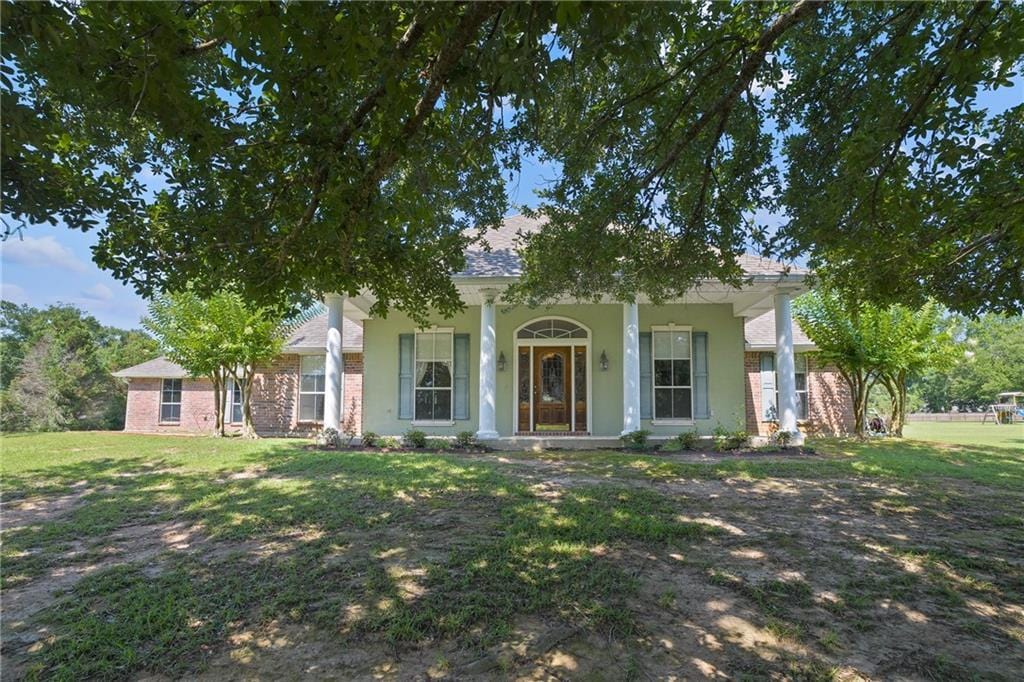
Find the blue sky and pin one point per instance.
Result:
(54, 264)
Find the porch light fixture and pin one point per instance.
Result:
(604, 362)
(501, 361)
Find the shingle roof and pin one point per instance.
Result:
(310, 335)
(502, 259)
(313, 334)
(158, 368)
(759, 332)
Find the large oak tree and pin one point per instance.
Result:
(311, 147)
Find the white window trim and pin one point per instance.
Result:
(451, 389)
(806, 391)
(298, 404)
(160, 414)
(229, 402)
(671, 421)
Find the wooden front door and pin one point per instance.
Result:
(552, 391)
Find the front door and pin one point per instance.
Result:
(552, 392)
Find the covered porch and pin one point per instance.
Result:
(568, 373)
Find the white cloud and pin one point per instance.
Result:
(98, 292)
(13, 293)
(41, 252)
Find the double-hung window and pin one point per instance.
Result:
(673, 373)
(433, 376)
(311, 388)
(170, 401)
(800, 363)
(234, 402)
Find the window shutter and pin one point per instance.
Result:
(769, 411)
(405, 374)
(646, 380)
(701, 400)
(460, 408)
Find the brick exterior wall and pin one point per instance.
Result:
(274, 402)
(830, 409)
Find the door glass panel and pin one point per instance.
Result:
(552, 379)
(580, 375)
(524, 376)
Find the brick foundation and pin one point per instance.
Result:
(830, 409)
(274, 402)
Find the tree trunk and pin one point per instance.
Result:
(857, 382)
(248, 430)
(218, 402)
(901, 393)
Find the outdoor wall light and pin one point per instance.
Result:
(604, 362)
(501, 361)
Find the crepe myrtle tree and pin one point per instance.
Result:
(312, 147)
(218, 337)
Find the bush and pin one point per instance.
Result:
(730, 440)
(782, 438)
(415, 439)
(439, 444)
(390, 442)
(688, 440)
(370, 439)
(636, 440)
(465, 440)
(329, 438)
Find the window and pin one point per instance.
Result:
(552, 329)
(234, 402)
(311, 388)
(433, 401)
(800, 362)
(673, 374)
(170, 401)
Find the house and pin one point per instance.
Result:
(567, 373)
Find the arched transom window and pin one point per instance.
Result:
(552, 329)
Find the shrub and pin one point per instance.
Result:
(390, 442)
(465, 440)
(329, 438)
(730, 440)
(438, 444)
(782, 438)
(415, 439)
(636, 440)
(739, 439)
(370, 439)
(688, 440)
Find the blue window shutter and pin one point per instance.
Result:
(701, 399)
(460, 409)
(769, 411)
(646, 380)
(405, 374)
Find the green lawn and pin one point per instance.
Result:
(130, 555)
(1002, 435)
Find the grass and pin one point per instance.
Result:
(968, 433)
(449, 554)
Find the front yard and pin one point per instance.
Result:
(131, 555)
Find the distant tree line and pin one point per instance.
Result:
(56, 368)
(993, 362)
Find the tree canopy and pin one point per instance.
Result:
(294, 148)
(56, 365)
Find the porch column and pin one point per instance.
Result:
(333, 363)
(488, 371)
(630, 368)
(785, 368)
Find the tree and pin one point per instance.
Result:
(912, 343)
(217, 337)
(846, 337)
(310, 147)
(57, 364)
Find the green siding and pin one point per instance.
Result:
(725, 359)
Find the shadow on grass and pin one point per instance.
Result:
(409, 547)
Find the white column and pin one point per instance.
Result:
(333, 363)
(630, 368)
(488, 371)
(785, 368)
